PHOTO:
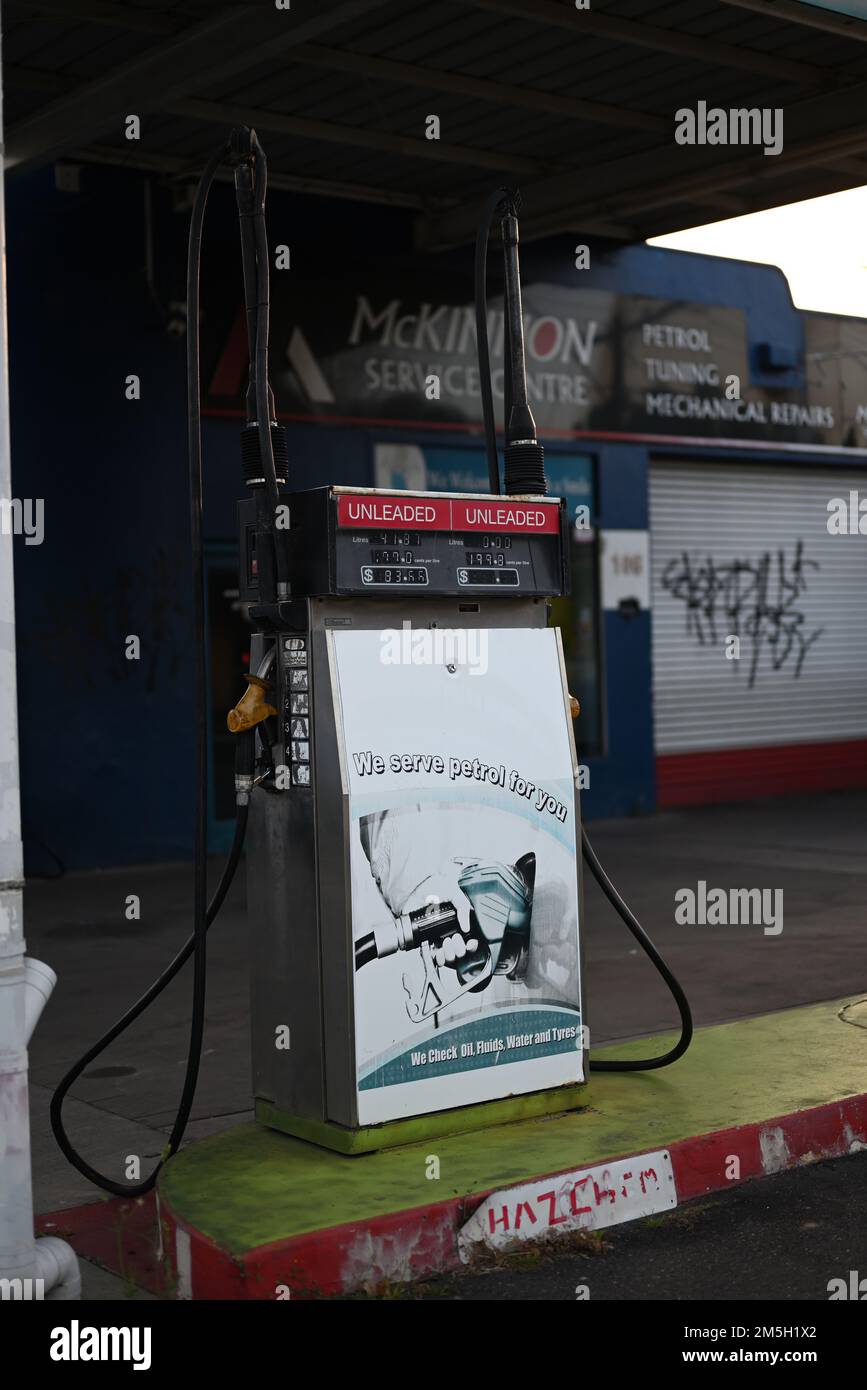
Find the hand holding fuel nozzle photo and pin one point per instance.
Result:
(442, 891)
(470, 917)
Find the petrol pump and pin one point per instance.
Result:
(413, 841)
(406, 772)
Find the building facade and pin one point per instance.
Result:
(708, 437)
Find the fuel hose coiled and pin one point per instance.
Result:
(244, 153)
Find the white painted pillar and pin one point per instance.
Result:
(24, 985)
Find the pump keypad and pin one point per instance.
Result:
(296, 708)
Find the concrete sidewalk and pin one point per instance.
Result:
(813, 848)
(253, 1214)
(245, 1213)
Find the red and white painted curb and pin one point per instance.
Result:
(440, 1237)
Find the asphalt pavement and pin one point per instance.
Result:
(811, 847)
(792, 1236)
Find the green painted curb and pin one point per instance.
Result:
(250, 1186)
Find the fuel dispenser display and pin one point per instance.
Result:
(406, 774)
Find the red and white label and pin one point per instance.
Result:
(449, 514)
(431, 514)
(588, 1199)
(529, 518)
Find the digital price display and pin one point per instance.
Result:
(489, 558)
(396, 538)
(488, 542)
(382, 574)
(507, 578)
(438, 544)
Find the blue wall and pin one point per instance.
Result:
(106, 748)
(106, 743)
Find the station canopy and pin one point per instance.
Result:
(575, 106)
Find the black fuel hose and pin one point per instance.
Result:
(666, 1058)
(498, 199)
(150, 994)
(510, 199)
(260, 363)
(365, 950)
(203, 912)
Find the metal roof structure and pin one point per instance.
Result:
(576, 106)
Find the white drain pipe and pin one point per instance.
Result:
(25, 985)
(57, 1267)
(39, 982)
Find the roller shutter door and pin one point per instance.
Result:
(742, 550)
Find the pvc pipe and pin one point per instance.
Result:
(25, 985)
(57, 1264)
(17, 1258)
(39, 981)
